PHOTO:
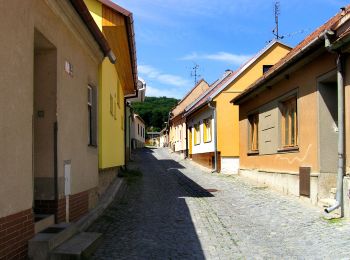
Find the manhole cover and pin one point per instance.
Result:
(212, 190)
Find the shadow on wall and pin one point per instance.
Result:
(153, 220)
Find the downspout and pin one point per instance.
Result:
(186, 156)
(339, 194)
(340, 88)
(215, 138)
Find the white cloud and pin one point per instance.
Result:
(235, 59)
(152, 73)
(157, 92)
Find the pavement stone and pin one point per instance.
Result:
(169, 214)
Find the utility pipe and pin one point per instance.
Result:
(339, 194)
(215, 139)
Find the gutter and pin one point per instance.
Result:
(341, 127)
(215, 137)
(85, 15)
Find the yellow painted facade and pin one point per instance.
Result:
(111, 108)
(227, 114)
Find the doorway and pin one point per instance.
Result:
(44, 127)
(328, 132)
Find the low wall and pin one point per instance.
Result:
(287, 183)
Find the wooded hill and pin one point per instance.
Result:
(154, 111)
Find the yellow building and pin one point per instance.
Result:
(226, 117)
(116, 81)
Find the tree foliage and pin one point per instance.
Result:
(154, 111)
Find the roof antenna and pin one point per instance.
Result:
(277, 12)
(194, 73)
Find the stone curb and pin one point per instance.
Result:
(115, 191)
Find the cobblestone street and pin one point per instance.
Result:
(178, 210)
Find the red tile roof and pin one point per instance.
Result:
(294, 54)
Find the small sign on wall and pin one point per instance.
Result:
(68, 67)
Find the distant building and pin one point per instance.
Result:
(138, 132)
(164, 138)
(177, 122)
(153, 138)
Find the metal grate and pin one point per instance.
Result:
(304, 181)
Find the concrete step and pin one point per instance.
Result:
(48, 239)
(80, 246)
(43, 221)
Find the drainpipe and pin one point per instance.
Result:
(215, 135)
(339, 194)
(187, 152)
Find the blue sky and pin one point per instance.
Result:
(173, 35)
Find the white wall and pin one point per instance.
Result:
(202, 147)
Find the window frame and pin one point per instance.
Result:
(92, 115)
(197, 135)
(253, 120)
(207, 124)
(287, 105)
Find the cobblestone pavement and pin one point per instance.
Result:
(169, 214)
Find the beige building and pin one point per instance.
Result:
(291, 119)
(177, 123)
(49, 77)
(138, 132)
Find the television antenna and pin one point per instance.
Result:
(277, 12)
(194, 73)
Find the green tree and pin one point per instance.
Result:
(154, 111)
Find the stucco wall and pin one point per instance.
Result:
(304, 80)
(140, 134)
(111, 123)
(16, 101)
(228, 115)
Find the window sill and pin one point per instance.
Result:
(207, 142)
(250, 153)
(288, 149)
(92, 145)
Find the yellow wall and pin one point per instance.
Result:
(110, 124)
(227, 114)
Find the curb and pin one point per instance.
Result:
(114, 192)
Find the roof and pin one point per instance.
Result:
(85, 15)
(131, 34)
(139, 117)
(219, 85)
(249, 63)
(311, 41)
(180, 107)
(203, 99)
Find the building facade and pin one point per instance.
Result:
(177, 123)
(291, 118)
(138, 136)
(49, 120)
(116, 81)
(217, 101)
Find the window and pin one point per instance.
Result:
(289, 127)
(207, 130)
(138, 129)
(92, 116)
(253, 132)
(266, 68)
(197, 134)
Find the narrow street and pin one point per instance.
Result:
(177, 210)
